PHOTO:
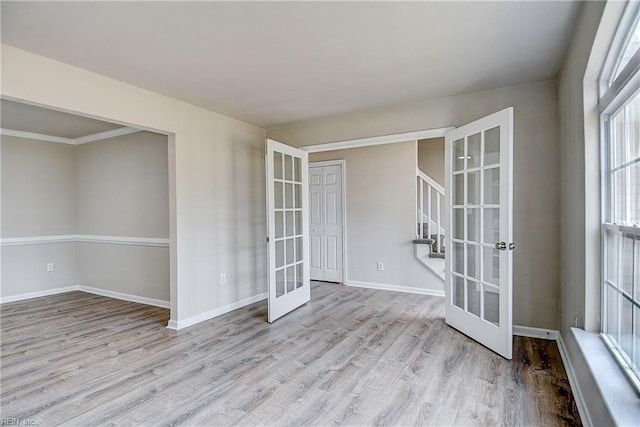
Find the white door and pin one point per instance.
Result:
(288, 228)
(479, 190)
(325, 200)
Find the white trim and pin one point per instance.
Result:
(395, 288)
(545, 334)
(343, 167)
(123, 296)
(38, 136)
(124, 240)
(105, 135)
(573, 382)
(38, 240)
(198, 318)
(71, 141)
(86, 238)
(38, 294)
(377, 140)
(89, 290)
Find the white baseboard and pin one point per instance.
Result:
(573, 382)
(526, 331)
(190, 321)
(87, 289)
(38, 294)
(123, 296)
(395, 288)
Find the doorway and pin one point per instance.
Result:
(326, 217)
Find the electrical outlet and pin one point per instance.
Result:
(50, 267)
(223, 279)
(380, 266)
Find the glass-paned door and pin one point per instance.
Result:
(479, 263)
(288, 224)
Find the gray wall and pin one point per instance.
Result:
(431, 158)
(123, 190)
(112, 187)
(579, 154)
(536, 175)
(38, 188)
(123, 186)
(381, 215)
(38, 199)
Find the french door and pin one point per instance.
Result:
(288, 228)
(479, 188)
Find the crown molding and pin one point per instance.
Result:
(71, 141)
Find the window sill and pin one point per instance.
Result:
(618, 394)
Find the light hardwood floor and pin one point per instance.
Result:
(351, 356)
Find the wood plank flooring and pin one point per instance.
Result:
(351, 356)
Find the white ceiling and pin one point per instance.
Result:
(272, 63)
(29, 118)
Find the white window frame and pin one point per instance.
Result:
(615, 93)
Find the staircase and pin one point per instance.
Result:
(429, 243)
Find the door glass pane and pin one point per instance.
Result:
(279, 253)
(473, 188)
(612, 313)
(634, 194)
(288, 195)
(492, 146)
(457, 293)
(299, 249)
(298, 195)
(291, 279)
(290, 253)
(458, 155)
(288, 167)
(289, 226)
(473, 297)
(492, 304)
(277, 165)
(492, 186)
(297, 169)
(491, 265)
(458, 223)
(457, 259)
(473, 224)
(458, 189)
(473, 261)
(298, 222)
(277, 194)
(473, 151)
(279, 223)
(491, 225)
(279, 283)
(299, 276)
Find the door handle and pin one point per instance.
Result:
(501, 246)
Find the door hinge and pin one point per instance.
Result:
(267, 239)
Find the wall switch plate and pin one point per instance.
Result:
(223, 279)
(380, 266)
(50, 267)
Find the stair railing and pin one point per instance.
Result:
(430, 211)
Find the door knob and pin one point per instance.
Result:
(501, 246)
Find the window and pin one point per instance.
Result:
(620, 121)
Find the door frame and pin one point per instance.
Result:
(343, 167)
